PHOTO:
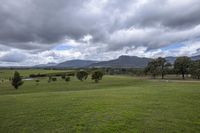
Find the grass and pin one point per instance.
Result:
(5, 74)
(118, 104)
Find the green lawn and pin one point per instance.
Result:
(118, 104)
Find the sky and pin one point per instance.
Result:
(45, 31)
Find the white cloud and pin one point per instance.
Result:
(96, 29)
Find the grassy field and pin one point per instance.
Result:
(118, 104)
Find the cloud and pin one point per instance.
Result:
(13, 56)
(96, 29)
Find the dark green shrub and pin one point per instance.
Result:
(37, 81)
(67, 79)
(82, 75)
(54, 79)
(97, 75)
(16, 80)
(63, 76)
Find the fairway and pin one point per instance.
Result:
(117, 104)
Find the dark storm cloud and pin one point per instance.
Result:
(40, 24)
(45, 22)
(171, 14)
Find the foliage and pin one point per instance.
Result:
(71, 74)
(50, 79)
(97, 75)
(182, 65)
(152, 68)
(37, 81)
(81, 75)
(195, 69)
(158, 66)
(63, 76)
(54, 79)
(67, 79)
(37, 75)
(16, 80)
(163, 66)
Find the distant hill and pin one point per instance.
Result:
(75, 64)
(196, 57)
(124, 61)
(121, 62)
(45, 65)
(172, 59)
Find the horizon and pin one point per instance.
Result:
(97, 61)
(37, 32)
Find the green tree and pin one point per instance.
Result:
(195, 69)
(152, 68)
(97, 75)
(37, 81)
(16, 80)
(182, 65)
(81, 75)
(63, 76)
(163, 66)
(67, 79)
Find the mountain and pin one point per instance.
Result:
(45, 65)
(172, 59)
(75, 64)
(124, 61)
(195, 57)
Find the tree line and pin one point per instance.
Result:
(182, 65)
(81, 75)
(160, 66)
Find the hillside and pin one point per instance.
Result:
(124, 61)
(75, 64)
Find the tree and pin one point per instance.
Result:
(16, 80)
(67, 79)
(81, 75)
(63, 76)
(152, 68)
(50, 79)
(97, 75)
(157, 66)
(182, 65)
(195, 69)
(54, 79)
(163, 66)
(37, 81)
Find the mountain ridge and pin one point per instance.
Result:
(123, 61)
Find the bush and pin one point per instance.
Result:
(63, 76)
(37, 81)
(16, 80)
(37, 75)
(71, 74)
(97, 75)
(82, 75)
(67, 79)
(50, 78)
(54, 79)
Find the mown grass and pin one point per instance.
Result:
(118, 104)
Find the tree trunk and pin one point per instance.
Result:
(183, 75)
(162, 75)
